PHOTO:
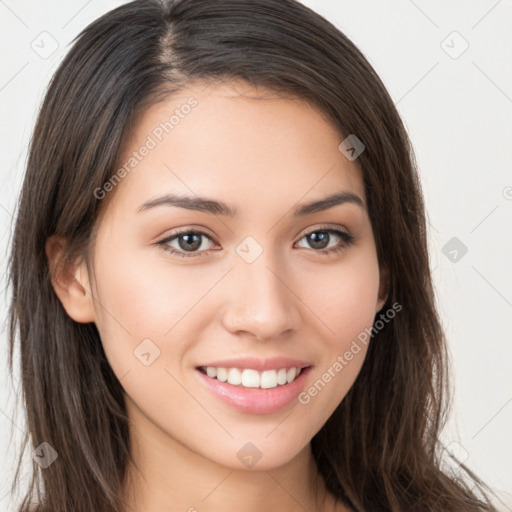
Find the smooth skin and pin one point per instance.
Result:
(263, 154)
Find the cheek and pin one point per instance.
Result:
(139, 299)
(344, 299)
(147, 296)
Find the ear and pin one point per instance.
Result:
(70, 282)
(383, 288)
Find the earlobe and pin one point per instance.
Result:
(383, 288)
(70, 282)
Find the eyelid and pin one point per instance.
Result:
(347, 238)
(323, 227)
(200, 231)
(190, 229)
(204, 230)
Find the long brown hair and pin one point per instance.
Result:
(379, 451)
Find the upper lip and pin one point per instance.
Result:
(273, 363)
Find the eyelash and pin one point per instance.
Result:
(347, 240)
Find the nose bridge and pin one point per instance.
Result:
(260, 299)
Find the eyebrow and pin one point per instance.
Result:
(207, 205)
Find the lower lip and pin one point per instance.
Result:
(256, 400)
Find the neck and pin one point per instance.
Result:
(168, 476)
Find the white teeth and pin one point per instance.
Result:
(250, 378)
(291, 374)
(234, 376)
(222, 374)
(268, 379)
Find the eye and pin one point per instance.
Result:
(321, 237)
(190, 242)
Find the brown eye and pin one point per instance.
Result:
(188, 242)
(319, 240)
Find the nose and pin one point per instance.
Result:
(261, 300)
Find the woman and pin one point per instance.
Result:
(220, 274)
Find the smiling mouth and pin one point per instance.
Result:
(250, 378)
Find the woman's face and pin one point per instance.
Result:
(254, 290)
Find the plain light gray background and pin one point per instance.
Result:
(447, 67)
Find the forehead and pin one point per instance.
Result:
(236, 143)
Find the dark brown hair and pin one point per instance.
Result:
(379, 451)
